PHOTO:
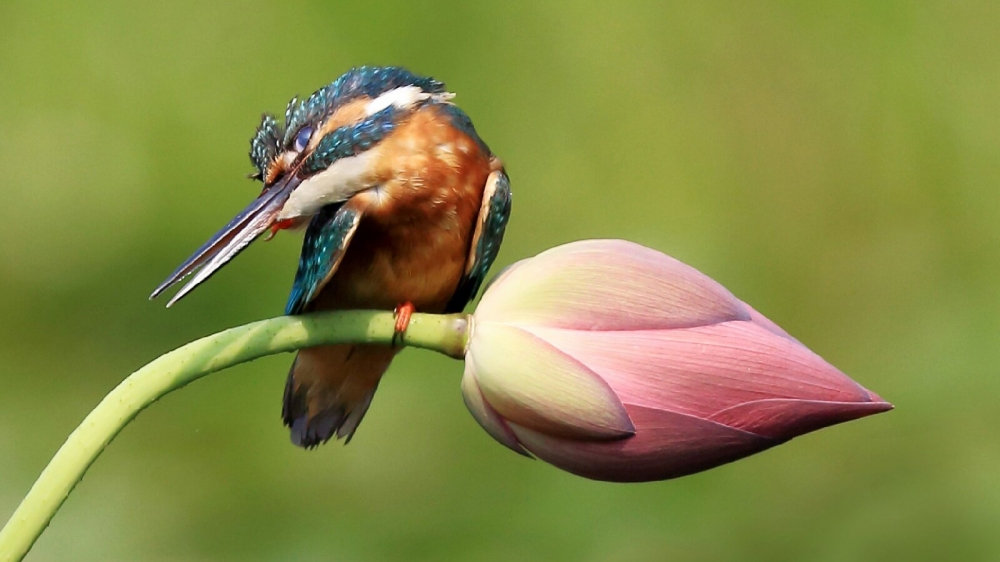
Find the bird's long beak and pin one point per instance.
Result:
(232, 239)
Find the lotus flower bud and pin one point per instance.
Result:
(616, 362)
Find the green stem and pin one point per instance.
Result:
(445, 334)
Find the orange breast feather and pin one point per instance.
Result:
(414, 238)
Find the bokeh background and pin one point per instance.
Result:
(834, 164)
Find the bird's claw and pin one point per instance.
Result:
(402, 314)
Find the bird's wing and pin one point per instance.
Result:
(493, 217)
(326, 240)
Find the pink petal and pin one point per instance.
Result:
(607, 285)
(666, 445)
(766, 323)
(784, 419)
(708, 369)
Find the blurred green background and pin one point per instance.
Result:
(834, 164)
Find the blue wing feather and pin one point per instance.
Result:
(326, 239)
(487, 240)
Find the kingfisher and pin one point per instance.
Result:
(404, 208)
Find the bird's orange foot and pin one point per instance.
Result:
(281, 225)
(402, 313)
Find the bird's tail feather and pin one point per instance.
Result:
(329, 390)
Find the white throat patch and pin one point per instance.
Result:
(341, 181)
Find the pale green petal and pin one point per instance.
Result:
(486, 415)
(529, 382)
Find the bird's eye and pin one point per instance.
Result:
(302, 139)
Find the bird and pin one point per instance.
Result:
(404, 208)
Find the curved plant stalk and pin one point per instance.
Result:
(443, 333)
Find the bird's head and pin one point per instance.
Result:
(320, 156)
